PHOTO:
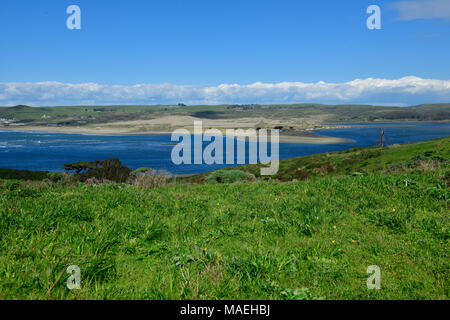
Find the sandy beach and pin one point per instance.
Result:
(130, 130)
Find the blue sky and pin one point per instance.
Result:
(197, 43)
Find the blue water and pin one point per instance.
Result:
(50, 151)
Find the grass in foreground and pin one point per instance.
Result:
(308, 239)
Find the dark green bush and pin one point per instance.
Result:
(54, 176)
(110, 169)
(79, 167)
(11, 174)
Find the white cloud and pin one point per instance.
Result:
(404, 91)
(422, 9)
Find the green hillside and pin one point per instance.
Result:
(303, 239)
(354, 161)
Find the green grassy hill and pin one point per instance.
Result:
(311, 239)
(354, 161)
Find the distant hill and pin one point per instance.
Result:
(20, 107)
(314, 113)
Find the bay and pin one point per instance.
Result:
(50, 151)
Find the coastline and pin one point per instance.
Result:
(313, 139)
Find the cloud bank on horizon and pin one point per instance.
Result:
(399, 92)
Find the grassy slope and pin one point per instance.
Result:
(356, 160)
(249, 240)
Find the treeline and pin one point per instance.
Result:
(421, 116)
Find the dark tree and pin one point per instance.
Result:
(110, 169)
(78, 167)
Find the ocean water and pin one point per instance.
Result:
(50, 151)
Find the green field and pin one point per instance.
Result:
(308, 233)
(89, 115)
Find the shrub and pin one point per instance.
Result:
(97, 182)
(79, 167)
(421, 163)
(142, 171)
(325, 169)
(302, 174)
(229, 176)
(55, 176)
(11, 174)
(110, 169)
(149, 179)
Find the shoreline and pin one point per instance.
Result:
(316, 139)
